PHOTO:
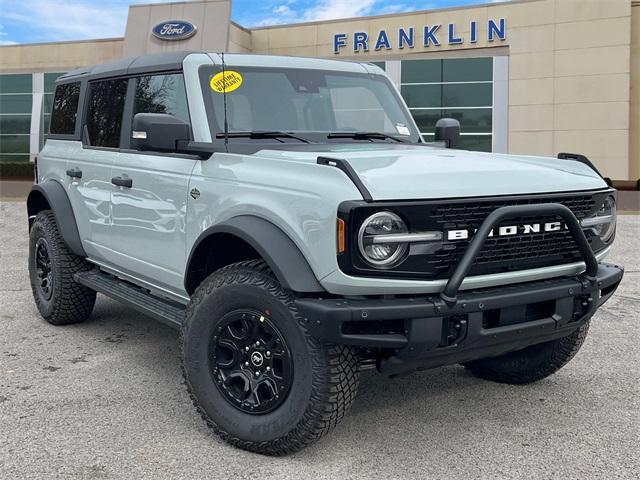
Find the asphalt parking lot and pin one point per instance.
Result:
(105, 399)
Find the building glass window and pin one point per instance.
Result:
(422, 96)
(421, 71)
(15, 143)
(15, 124)
(50, 81)
(104, 115)
(15, 116)
(15, 103)
(15, 83)
(65, 108)
(477, 120)
(467, 95)
(460, 88)
(467, 70)
(47, 106)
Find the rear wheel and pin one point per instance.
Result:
(254, 373)
(532, 363)
(60, 300)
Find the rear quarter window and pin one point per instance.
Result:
(65, 109)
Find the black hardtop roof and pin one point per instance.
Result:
(172, 61)
(155, 62)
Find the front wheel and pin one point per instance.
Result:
(254, 373)
(532, 363)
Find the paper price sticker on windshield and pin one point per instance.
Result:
(229, 81)
(403, 129)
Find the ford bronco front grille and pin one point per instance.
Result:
(520, 251)
(513, 252)
(475, 212)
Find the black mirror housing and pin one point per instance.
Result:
(448, 131)
(158, 132)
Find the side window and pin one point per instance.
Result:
(65, 109)
(161, 94)
(104, 113)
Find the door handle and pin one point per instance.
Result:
(74, 173)
(122, 182)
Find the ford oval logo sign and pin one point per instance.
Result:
(174, 30)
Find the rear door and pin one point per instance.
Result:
(62, 137)
(148, 230)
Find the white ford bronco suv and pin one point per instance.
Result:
(285, 214)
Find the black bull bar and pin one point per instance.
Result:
(457, 326)
(503, 213)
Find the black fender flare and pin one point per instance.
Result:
(274, 246)
(58, 201)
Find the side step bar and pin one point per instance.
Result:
(168, 312)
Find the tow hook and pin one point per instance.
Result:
(586, 304)
(454, 330)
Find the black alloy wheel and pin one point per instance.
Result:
(250, 362)
(42, 265)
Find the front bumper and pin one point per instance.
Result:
(423, 332)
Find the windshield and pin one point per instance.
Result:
(310, 103)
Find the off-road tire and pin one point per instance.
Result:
(531, 364)
(325, 377)
(69, 302)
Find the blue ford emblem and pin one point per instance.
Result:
(174, 30)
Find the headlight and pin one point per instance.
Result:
(603, 223)
(378, 241)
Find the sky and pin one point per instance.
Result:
(32, 21)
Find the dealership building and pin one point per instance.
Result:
(534, 77)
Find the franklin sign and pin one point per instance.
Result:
(426, 37)
(174, 30)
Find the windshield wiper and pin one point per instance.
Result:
(262, 134)
(365, 136)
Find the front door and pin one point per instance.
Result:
(148, 211)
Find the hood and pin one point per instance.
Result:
(408, 172)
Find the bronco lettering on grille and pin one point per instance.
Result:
(509, 230)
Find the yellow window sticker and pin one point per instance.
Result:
(230, 81)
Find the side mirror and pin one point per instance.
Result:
(447, 131)
(158, 132)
